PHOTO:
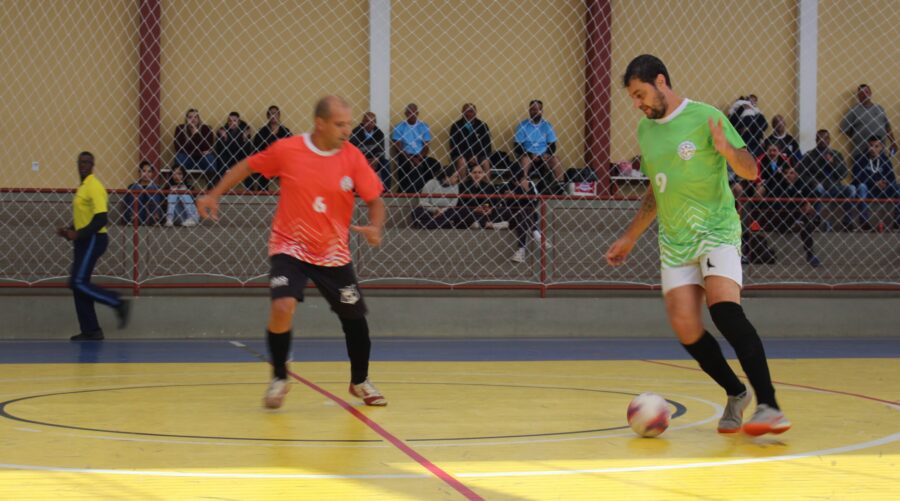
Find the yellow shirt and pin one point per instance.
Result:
(90, 199)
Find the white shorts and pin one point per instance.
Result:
(723, 261)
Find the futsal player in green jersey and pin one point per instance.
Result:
(685, 146)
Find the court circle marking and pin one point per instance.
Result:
(708, 464)
(680, 410)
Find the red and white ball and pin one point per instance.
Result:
(648, 414)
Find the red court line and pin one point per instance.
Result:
(795, 385)
(396, 442)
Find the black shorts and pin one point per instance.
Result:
(288, 278)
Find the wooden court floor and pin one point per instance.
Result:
(127, 424)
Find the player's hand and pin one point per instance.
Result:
(208, 207)
(67, 232)
(372, 234)
(619, 250)
(718, 136)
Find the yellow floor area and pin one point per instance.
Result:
(505, 430)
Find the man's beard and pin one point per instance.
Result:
(658, 109)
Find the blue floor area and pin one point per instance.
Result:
(199, 351)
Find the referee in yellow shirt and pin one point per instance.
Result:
(88, 233)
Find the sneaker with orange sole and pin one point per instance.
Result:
(766, 420)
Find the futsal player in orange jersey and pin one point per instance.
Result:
(319, 175)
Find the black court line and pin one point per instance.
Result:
(6, 412)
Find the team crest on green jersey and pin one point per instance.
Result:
(686, 150)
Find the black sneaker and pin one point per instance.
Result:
(123, 312)
(88, 336)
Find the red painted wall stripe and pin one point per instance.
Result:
(149, 105)
(598, 64)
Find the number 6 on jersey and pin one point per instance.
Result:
(319, 205)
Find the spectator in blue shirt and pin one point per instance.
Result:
(536, 142)
(873, 175)
(410, 141)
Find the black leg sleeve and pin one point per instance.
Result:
(733, 324)
(279, 347)
(708, 354)
(359, 346)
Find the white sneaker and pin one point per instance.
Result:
(538, 238)
(274, 397)
(519, 256)
(189, 222)
(502, 225)
(732, 415)
(368, 393)
(766, 420)
(169, 222)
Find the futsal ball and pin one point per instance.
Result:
(648, 414)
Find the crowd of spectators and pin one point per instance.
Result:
(789, 196)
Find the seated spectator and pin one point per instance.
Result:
(768, 164)
(470, 142)
(181, 209)
(194, 142)
(795, 215)
(536, 142)
(873, 176)
(370, 140)
(438, 212)
(772, 161)
(480, 209)
(144, 197)
(523, 216)
(266, 135)
(410, 140)
(233, 144)
(786, 142)
(825, 170)
(750, 123)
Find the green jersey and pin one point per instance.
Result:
(695, 207)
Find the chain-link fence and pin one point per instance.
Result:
(121, 78)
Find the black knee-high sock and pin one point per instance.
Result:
(707, 353)
(356, 334)
(279, 347)
(733, 324)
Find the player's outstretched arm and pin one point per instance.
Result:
(373, 230)
(208, 205)
(740, 160)
(620, 249)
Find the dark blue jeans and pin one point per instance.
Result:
(87, 252)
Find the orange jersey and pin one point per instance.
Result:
(315, 204)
